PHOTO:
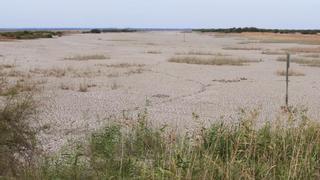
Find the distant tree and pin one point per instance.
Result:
(97, 31)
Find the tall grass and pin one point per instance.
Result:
(17, 138)
(287, 149)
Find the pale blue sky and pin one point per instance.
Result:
(160, 13)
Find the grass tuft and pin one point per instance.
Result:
(290, 73)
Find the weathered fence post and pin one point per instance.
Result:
(287, 79)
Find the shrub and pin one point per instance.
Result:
(17, 138)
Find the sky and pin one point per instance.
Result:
(284, 14)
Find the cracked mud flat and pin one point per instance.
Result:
(171, 92)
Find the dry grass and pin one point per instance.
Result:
(113, 75)
(307, 62)
(311, 55)
(210, 61)
(201, 53)
(7, 66)
(243, 48)
(290, 73)
(54, 72)
(135, 71)
(64, 86)
(153, 52)
(83, 87)
(302, 61)
(302, 50)
(8, 89)
(248, 42)
(282, 59)
(62, 72)
(121, 65)
(283, 38)
(14, 73)
(272, 52)
(151, 44)
(230, 80)
(121, 40)
(87, 57)
(114, 86)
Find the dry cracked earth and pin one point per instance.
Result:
(88, 80)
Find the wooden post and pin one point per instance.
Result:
(287, 79)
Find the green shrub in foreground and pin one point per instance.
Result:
(17, 138)
(278, 150)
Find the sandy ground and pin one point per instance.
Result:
(171, 92)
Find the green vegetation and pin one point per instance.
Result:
(284, 149)
(253, 29)
(29, 34)
(95, 31)
(17, 138)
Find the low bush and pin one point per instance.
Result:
(30, 34)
